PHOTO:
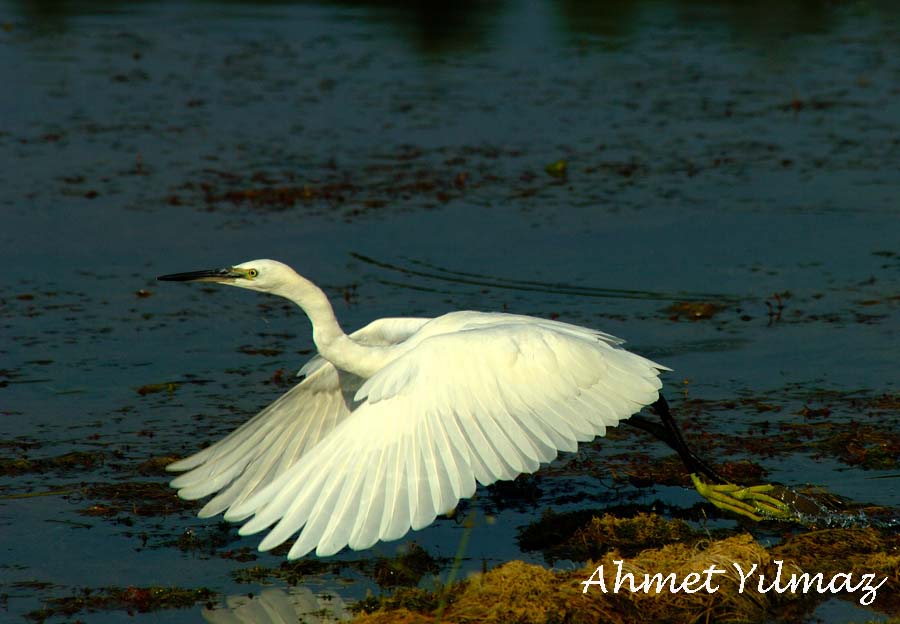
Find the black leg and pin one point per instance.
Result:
(667, 431)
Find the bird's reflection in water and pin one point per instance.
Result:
(278, 606)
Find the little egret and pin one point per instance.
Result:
(395, 423)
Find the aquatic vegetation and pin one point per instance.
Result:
(136, 498)
(590, 534)
(128, 599)
(520, 592)
(411, 563)
(407, 567)
(76, 460)
(166, 386)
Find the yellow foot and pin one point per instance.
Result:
(752, 502)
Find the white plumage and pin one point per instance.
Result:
(394, 424)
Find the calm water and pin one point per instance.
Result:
(397, 156)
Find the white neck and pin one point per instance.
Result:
(331, 341)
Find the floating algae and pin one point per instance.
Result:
(76, 460)
(129, 599)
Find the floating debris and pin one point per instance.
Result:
(557, 169)
(693, 310)
(263, 351)
(166, 386)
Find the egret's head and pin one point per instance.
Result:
(262, 275)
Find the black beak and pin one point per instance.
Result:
(209, 275)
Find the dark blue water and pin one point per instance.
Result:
(397, 156)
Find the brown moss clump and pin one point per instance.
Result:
(728, 604)
(626, 535)
(585, 535)
(515, 592)
(521, 593)
(834, 551)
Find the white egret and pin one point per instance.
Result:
(395, 423)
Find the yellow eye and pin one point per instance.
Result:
(252, 273)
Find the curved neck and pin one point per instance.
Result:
(331, 341)
(314, 302)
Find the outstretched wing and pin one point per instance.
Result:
(481, 404)
(267, 445)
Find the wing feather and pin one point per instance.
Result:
(338, 523)
(484, 403)
(437, 478)
(365, 534)
(269, 444)
(293, 442)
(421, 505)
(317, 521)
(395, 521)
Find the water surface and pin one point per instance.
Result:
(398, 156)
